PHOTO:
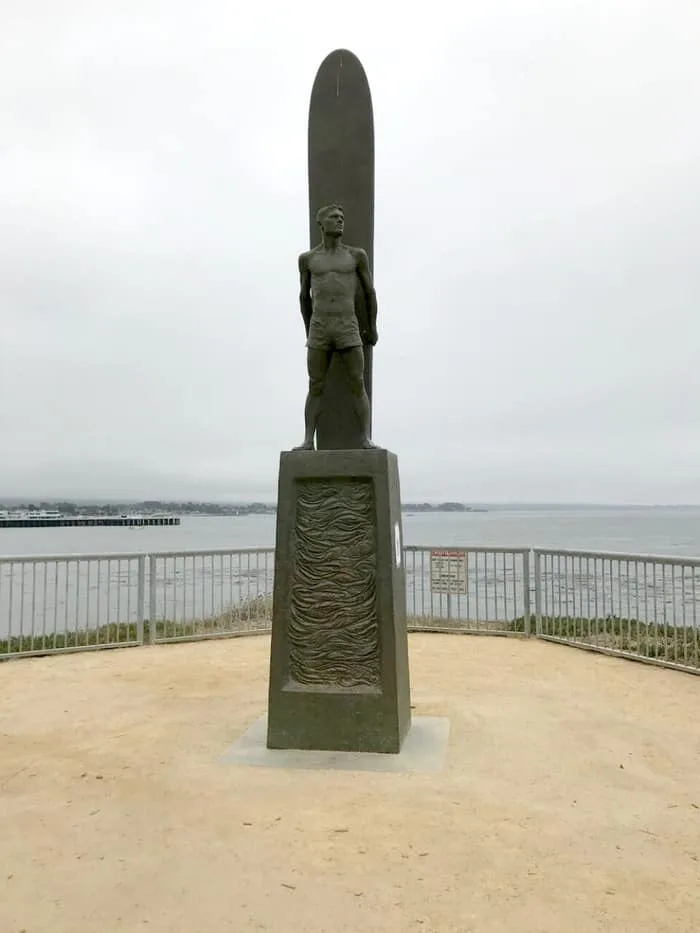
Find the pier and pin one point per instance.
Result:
(87, 521)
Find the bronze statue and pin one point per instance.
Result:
(330, 274)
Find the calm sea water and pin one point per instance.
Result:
(643, 531)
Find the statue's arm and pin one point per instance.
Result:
(365, 276)
(305, 291)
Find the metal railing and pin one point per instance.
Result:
(82, 601)
(474, 590)
(634, 605)
(69, 602)
(207, 594)
(637, 606)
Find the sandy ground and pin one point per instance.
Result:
(570, 800)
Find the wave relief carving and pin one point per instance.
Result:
(333, 629)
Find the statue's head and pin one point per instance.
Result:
(331, 220)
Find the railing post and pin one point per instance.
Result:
(141, 598)
(526, 593)
(538, 593)
(151, 599)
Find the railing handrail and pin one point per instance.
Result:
(128, 555)
(213, 551)
(267, 549)
(619, 555)
(468, 549)
(46, 558)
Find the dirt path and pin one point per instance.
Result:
(570, 801)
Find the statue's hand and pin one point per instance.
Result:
(372, 338)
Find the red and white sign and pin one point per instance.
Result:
(448, 572)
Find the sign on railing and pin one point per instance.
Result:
(448, 572)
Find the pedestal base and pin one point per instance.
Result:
(339, 657)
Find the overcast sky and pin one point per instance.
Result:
(537, 240)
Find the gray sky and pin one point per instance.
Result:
(537, 233)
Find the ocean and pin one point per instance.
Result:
(661, 531)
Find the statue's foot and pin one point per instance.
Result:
(307, 445)
(368, 445)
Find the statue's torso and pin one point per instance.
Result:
(333, 281)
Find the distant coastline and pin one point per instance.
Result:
(149, 507)
(152, 507)
(145, 508)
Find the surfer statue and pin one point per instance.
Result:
(330, 275)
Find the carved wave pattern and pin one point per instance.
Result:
(333, 629)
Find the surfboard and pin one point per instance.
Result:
(341, 169)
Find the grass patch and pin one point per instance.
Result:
(676, 643)
(419, 623)
(251, 616)
(115, 633)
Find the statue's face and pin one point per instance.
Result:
(333, 222)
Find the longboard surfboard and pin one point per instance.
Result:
(341, 169)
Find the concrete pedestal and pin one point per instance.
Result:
(339, 658)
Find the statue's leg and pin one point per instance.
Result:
(354, 360)
(317, 362)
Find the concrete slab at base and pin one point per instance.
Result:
(424, 750)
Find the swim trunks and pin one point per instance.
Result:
(333, 332)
